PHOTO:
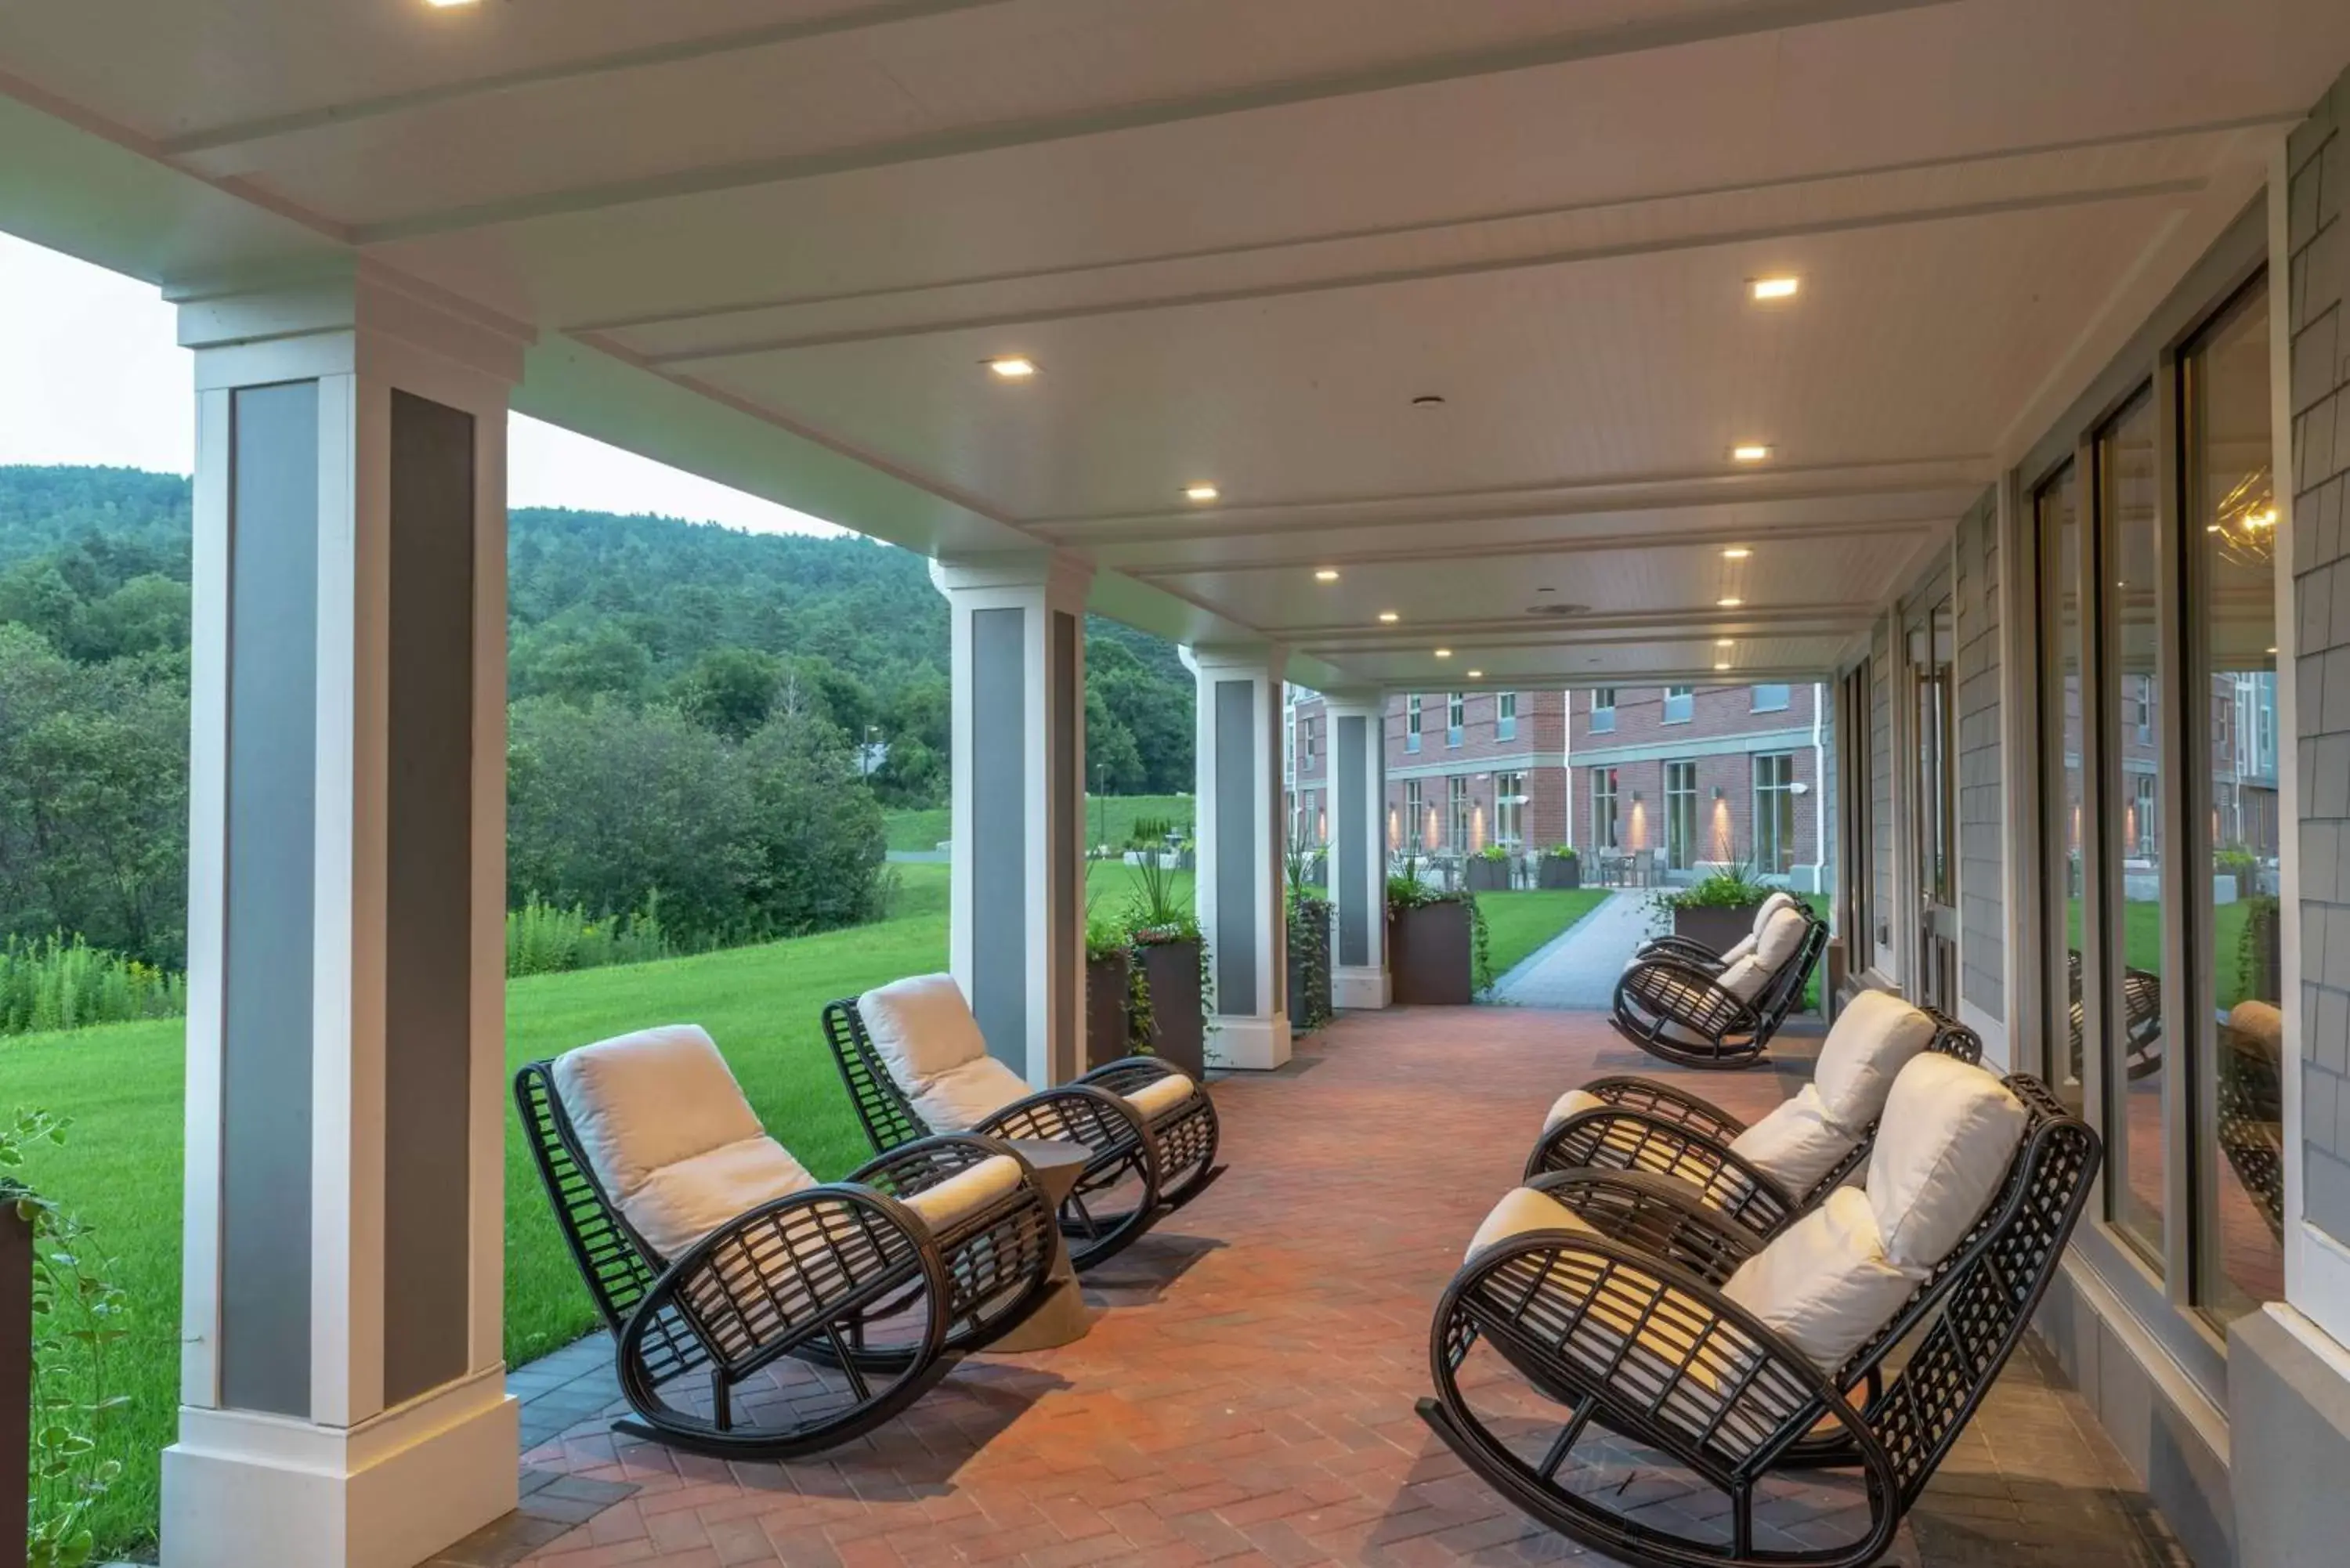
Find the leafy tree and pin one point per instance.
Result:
(730, 689)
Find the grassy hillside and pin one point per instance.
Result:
(1109, 819)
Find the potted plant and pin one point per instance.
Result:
(1171, 957)
(1110, 981)
(1718, 909)
(1436, 942)
(1489, 869)
(1559, 866)
(1309, 945)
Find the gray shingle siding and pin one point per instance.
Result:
(2318, 159)
(1982, 941)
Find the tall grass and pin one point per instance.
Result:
(54, 983)
(542, 938)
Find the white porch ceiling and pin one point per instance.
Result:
(774, 243)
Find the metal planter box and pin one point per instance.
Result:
(1555, 872)
(1106, 1010)
(1488, 876)
(1430, 955)
(1171, 970)
(1716, 929)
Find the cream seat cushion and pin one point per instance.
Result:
(1157, 1098)
(669, 1136)
(1522, 1209)
(966, 1192)
(1835, 1278)
(1572, 1103)
(1779, 937)
(930, 1043)
(1801, 1141)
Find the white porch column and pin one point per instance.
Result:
(1358, 847)
(1018, 902)
(342, 1387)
(1239, 891)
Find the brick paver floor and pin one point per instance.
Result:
(1246, 1394)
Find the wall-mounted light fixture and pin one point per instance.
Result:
(1717, 792)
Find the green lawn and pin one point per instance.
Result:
(1109, 819)
(122, 1083)
(1517, 923)
(2142, 943)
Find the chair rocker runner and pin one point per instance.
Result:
(1622, 1312)
(713, 1254)
(914, 1060)
(1768, 1174)
(1676, 1002)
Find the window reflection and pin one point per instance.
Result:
(2231, 518)
(2056, 512)
(2135, 1061)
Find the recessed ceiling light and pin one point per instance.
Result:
(1731, 603)
(1773, 287)
(1725, 642)
(1479, 675)
(1721, 664)
(1326, 574)
(1389, 617)
(2272, 650)
(1202, 493)
(1013, 367)
(1443, 653)
(448, 4)
(1736, 553)
(1749, 451)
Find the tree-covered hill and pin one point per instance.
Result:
(693, 647)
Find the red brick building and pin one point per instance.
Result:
(1706, 774)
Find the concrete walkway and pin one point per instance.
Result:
(1579, 967)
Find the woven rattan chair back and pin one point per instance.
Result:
(889, 1117)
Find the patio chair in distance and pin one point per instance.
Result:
(914, 1061)
(1619, 1310)
(712, 1255)
(1675, 1008)
(1766, 1176)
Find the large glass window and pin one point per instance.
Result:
(1603, 809)
(1505, 716)
(2137, 925)
(1411, 723)
(1509, 809)
(1458, 827)
(1775, 813)
(2230, 528)
(1680, 704)
(1456, 718)
(2064, 736)
(1415, 817)
(1771, 699)
(1603, 710)
(1680, 815)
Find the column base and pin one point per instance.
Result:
(243, 1489)
(1360, 987)
(1250, 1044)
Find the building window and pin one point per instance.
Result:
(2235, 989)
(1456, 718)
(1415, 817)
(1603, 809)
(1775, 813)
(1680, 815)
(1411, 723)
(1505, 716)
(1771, 699)
(1680, 704)
(1510, 809)
(1456, 812)
(1603, 710)
(2136, 921)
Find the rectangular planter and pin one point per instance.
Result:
(1105, 1011)
(15, 1381)
(1557, 873)
(1428, 955)
(1172, 971)
(1488, 876)
(1717, 928)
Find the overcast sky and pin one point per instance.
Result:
(90, 373)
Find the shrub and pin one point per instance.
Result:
(54, 983)
(1561, 852)
(543, 939)
(1731, 887)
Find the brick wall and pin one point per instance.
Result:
(1982, 942)
(2318, 159)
